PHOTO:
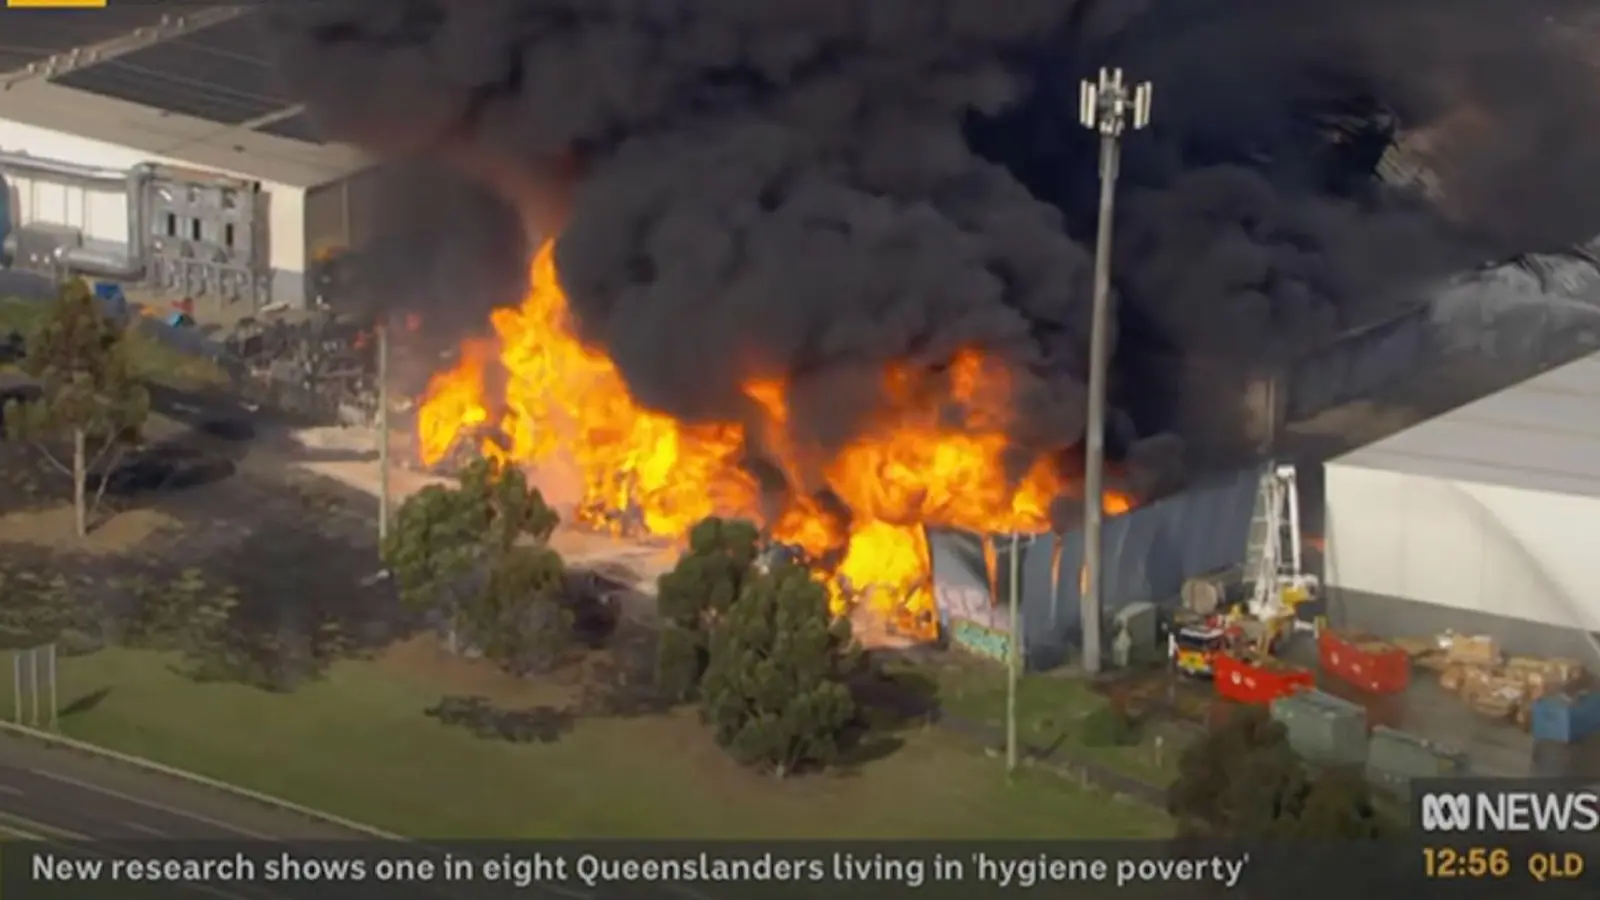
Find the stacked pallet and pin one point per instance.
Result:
(1492, 684)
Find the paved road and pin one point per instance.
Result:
(64, 797)
(69, 799)
(63, 793)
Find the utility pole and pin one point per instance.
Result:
(383, 431)
(1013, 656)
(1105, 106)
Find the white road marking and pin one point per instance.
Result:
(140, 826)
(8, 789)
(150, 804)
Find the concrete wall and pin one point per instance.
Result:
(102, 215)
(1491, 550)
(1148, 554)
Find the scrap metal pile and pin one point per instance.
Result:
(320, 365)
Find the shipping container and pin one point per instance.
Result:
(1566, 718)
(1258, 681)
(1395, 757)
(1364, 661)
(1323, 728)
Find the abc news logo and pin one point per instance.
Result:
(1511, 810)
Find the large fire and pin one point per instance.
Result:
(641, 471)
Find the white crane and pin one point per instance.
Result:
(1278, 581)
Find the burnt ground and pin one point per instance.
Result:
(215, 496)
(298, 552)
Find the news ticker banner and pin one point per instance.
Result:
(362, 870)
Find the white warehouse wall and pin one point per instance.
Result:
(1490, 549)
(103, 215)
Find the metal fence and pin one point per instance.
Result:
(34, 698)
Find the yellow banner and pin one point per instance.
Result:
(55, 4)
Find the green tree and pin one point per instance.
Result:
(1243, 780)
(720, 561)
(1338, 804)
(519, 619)
(448, 542)
(1230, 781)
(774, 690)
(89, 395)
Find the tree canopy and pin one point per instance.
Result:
(774, 689)
(702, 587)
(1243, 779)
(476, 553)
(89, 396)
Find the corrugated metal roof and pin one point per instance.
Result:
(178, 138)
(209, 97)
(1542, 434)
(220, 73)
(30, 35)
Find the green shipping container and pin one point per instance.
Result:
(1395, 757)
(1323, 728)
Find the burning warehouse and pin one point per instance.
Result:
(824, 263)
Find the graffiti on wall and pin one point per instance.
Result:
(976, 624)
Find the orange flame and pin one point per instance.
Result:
(644, 471)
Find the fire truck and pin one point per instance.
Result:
(1194, 649)
(1234, 624)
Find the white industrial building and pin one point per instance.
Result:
(153, 145)
(1483, 520)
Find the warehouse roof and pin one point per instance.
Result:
(195, 86)
(181, 139)
(1542, 434)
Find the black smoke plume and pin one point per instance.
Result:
(809, 188)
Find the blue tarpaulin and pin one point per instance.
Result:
(1149, 552)
(112, 299)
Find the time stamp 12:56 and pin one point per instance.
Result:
(1486, 862)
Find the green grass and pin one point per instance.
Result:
(152, 360)
(357, 744)
(20, 315)
(158, 363)
(1050, 711)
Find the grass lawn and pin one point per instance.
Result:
(358, 744)
(1050, 710)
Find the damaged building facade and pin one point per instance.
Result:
(1149, 552)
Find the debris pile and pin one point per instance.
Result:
(322, 365)
(1493, 684)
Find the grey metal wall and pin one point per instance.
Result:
(1148, 554)
(1357, 364)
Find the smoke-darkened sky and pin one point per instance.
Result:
(812, 187)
